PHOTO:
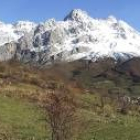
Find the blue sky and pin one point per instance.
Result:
(41, 10)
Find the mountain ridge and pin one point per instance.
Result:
(79, 36)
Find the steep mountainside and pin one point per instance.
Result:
(77, 37)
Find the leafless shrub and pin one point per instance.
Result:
(60, 110)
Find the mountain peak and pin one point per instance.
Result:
(79, 36)
(112, 18)
(77, 15)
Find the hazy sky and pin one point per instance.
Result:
(41, 10)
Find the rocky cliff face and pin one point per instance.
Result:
(77, 37)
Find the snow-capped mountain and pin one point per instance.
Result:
(12, 32)
(78, 36)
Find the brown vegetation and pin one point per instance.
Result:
(60, 110)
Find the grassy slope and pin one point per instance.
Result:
(21, 119)
(115, 127)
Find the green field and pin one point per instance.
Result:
(20, 119)
(113, 126)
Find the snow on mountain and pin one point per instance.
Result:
(12, 32)
(24, 26)
(77, 37)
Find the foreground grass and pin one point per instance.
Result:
(113, 126)
(21, 120)
(120, 128)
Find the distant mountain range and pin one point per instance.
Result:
(77, 37)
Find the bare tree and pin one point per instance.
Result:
(60, 110)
